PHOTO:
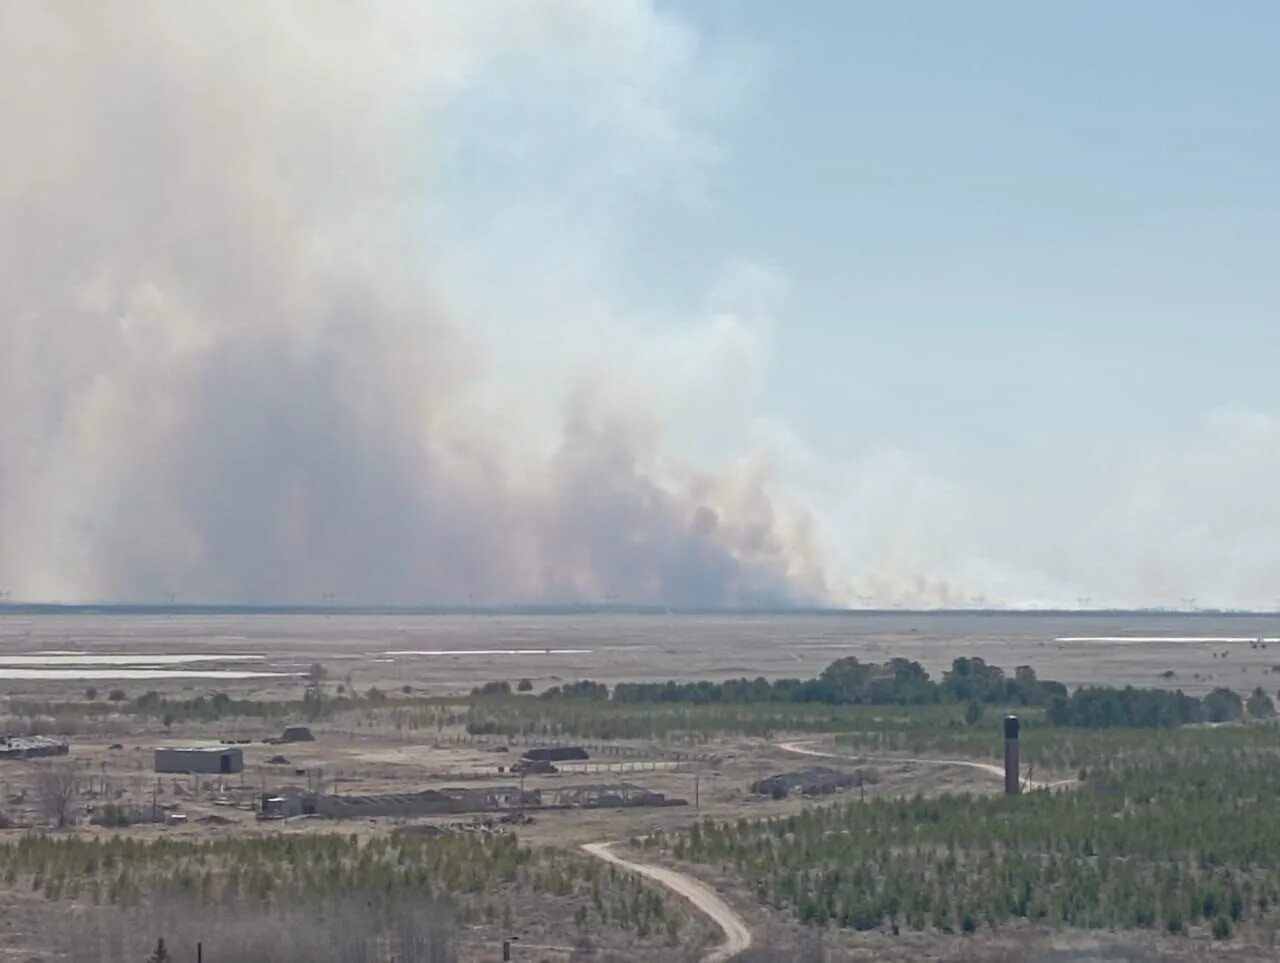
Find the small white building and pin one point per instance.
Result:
(208, 759)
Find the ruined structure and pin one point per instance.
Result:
(613, 796)
(295, 801)
(32, 747)
(292, 801)
(817, 781)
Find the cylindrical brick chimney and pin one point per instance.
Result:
(1012, 785)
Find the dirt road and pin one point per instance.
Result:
(806, 749)
(737, 936)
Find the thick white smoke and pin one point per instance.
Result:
(253, 347)
(226, 371)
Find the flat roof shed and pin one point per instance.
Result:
(209, 759)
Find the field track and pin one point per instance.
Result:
(737, 935)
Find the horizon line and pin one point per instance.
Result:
(267, 608)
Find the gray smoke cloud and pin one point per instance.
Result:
(225, 373)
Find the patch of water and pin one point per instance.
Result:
(74, 675)
(136, 660)
(1163, 638)
(399, 652)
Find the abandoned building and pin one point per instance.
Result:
(206, 759)
(32, 747)
(613, 796)
(556, 754)
(817, 781)
(292, 801)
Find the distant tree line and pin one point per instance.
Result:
(1097, 707)
(847, 681)
(970, 681)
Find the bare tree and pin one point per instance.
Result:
(316, 674)
(313, 695)
(58, 788)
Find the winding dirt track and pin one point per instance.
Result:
(806, 749)
(737, 936)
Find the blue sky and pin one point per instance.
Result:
(1003, 221)
(1023, 250)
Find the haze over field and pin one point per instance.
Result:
(577, 301)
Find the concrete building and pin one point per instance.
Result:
(211, 759)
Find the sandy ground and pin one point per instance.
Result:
(737, 936)
(371, 763)
(614, 648)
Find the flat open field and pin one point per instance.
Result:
(377, 750)
(454, 652)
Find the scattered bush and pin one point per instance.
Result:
(1259, 705)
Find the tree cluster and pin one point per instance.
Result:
(468, 875)
(847, 681)
(970, 681)
(1168, 839)
(1098, 707)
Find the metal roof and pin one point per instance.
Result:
(206, 748)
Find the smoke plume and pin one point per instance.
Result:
(228, 373)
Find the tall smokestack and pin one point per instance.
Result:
(1012, 786)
